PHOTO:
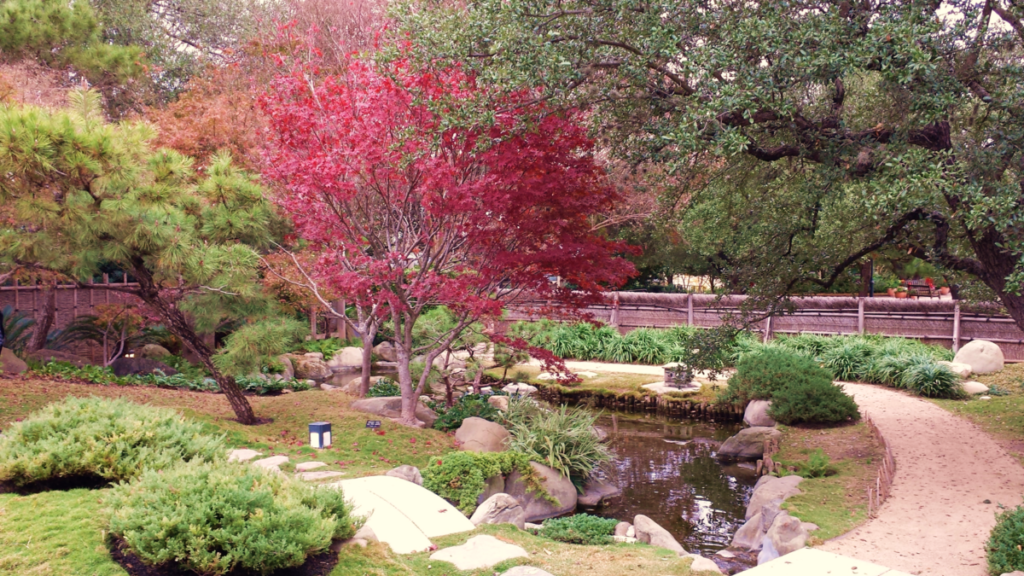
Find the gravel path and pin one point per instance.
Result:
(935, 521)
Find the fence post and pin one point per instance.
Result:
(956, 327)
(17, 295)
(768, 329)
(613, 321)
(860, 315)
(689, 309)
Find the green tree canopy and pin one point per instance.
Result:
(828, 130)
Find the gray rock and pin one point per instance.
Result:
(748, 444)
(597, 493)
(771, 489)
(499, 402)
(153, 351)
(756, 414)
(307, 466)
(769, 511)
(768, 552)
(242, 455)
(139, 366)
(749, 536)
(961, 370)
(526, 571)
(271, 462)
(702, 564)
(621, 528)
(649, 532)
(346, 357)
(479, 435)
(11, 364)
(479, 552)
(787, 534)
(407, 473)
(982, 356)
(631, 532)
(366, 533)
(972, 387)
(500, 509)
(601, 434)
(289, 368)
(539, 508)
(386, 351)
(311, 367)
(391, 407)
(493, 485)
(519, 389)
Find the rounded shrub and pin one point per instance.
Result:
(466, 406)
(761, 372)
(812, 401)
(933, 380)
(580, 529)
(213, 518)
(1005, 546)
(112, 439)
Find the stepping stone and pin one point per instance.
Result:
(479, 552)
(526, 571)
(323, 475)
(307, 466)
(402, 514)
(242, 455)
(272, 462)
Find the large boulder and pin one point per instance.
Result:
(597, 493)
(972, 387)
(311, 367)
(386, 351)
(289, 368)
(500, 509)
(154, 351)
(756, 413)
(499, 402)
(347, 357)
(786, 535)
(478, 552)
(479, 435)
(982, 356)
(45, 356)
(11, 364)
(139, 366)
(702, 564)
(748, 444)
(536, 506)
(391, 407)
(749, 536)
(493, 485)
(770, 488)
(649, 532)
(961, 370)
(407, 473)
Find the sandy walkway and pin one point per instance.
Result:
(935, 522)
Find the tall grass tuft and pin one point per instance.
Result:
(563, 439)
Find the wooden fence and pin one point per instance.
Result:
(71, 300)
(947, 323)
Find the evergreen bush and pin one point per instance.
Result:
(112, 439)
(459, 477)
(762, 372)
(580, 529)
(468, 405)
(213, 518)
(1005, 546)
(814, 400)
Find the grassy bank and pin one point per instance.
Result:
(1002, 417)
(837, 502)
(609, 383)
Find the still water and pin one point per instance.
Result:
(667, 471)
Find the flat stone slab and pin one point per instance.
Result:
(323, 475)
(479, 552)
(812, 562)
(307, 466)
(403, 514)
(242, 455)
(272, 462)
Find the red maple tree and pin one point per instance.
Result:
(411, 207)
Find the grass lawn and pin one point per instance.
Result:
(838, 502)
(1002, 417)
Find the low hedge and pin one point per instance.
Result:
(1005, 546)
(580, 529)
(113, 439)
(212, 518)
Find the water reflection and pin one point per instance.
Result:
(667, 472)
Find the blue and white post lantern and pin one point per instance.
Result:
(320, 434)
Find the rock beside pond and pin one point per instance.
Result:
(311, 366)
(786, 535)
(749, 536)
(748, 444)
(519, 389)
(348, 356)
(621, 528)
(649, 532)
(479, 435)
(499, 402)
(479, 552)
(537, 507)
(982, 356)
(391, 407)
(756, 413)
(140, 366)
(386, 351)
(407, 473)
(289, 369)
(702, 564)
(500, 509)
(770, 488)
(597, 493)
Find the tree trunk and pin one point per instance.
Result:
(403, 349)
(364, 382)
(38, 340)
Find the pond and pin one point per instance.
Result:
(667, 471)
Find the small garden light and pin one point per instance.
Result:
(320, 434)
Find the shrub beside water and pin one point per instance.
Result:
(580, 529)
(112, 439)
(214, 518)
(812, 401)
(460, 477)
(563, 439)
(384, 387)
(761, 373)
(466, 406)
(1005, 544)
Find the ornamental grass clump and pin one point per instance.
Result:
(212, 518)
(563, 439)
(111, 439)
(933, 380)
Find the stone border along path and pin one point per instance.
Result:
(936, 520)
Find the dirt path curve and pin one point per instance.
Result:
(935, 521)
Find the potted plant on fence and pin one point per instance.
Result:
(901, 291)
(944, 289)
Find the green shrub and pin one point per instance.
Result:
(580, 529)
(1005, 544)
(563, 439)
(818, 465)
(459, 477)
(932, 380)
(212, 518)
(112, 439)
(384, 387)
(850, 360)
(467, 406)
(813, 400)
(761, 373)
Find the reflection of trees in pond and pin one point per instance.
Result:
(667, 472)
